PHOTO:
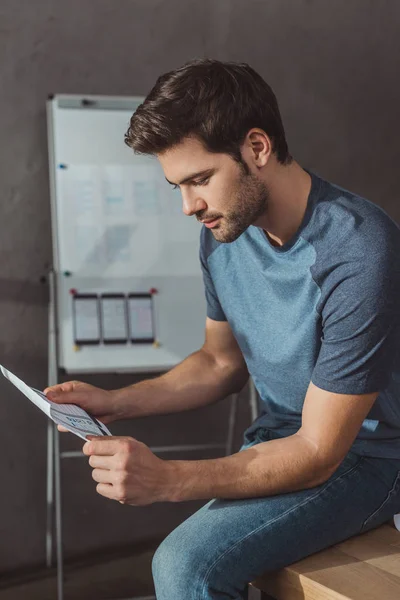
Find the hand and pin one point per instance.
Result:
(127, 470)
(97, 402)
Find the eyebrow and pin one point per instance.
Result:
(208, 172)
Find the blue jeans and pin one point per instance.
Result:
(215, 553)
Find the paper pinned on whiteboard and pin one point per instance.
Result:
(114, 318)
(144, 189)
(70, 416)
(82, 190)
(141, 322)
(113, 191)
(86, 319)
(108, 214)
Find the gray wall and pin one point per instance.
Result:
(335, 69)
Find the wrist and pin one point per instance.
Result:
(175, 481)
(120, 403)
(191, 479)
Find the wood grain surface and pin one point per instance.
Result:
(365, 567)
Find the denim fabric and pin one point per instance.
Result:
(215, 553)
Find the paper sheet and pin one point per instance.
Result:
(141, 318)
(86, 319)
(70, 416)
(113, 192)
(123, 220)
(397, 521)
(114, 318)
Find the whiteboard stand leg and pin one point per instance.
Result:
(50, 494)
(57, 471)
(253, 400)
(52, 373)
(231, 424)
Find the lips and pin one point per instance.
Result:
(211, 222)
(207, 221)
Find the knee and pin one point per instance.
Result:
(175, 570)
(164, 562)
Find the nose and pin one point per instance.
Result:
(192, 203)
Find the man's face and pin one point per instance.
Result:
(215, 188)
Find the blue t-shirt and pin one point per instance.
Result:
(324, 307)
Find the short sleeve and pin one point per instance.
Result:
(359, 306)
(214, 309)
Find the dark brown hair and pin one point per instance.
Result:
(215, 101)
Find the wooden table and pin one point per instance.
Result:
(365, 567)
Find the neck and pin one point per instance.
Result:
(289, 187)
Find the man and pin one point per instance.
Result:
(302, 282)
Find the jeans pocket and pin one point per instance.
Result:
(389, 507)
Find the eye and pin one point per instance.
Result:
(175, 187)
(201, 181)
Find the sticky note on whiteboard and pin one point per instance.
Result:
(141, 318)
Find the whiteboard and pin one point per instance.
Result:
(118, 227)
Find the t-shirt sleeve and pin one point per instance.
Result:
(359, 307)
(214, 309)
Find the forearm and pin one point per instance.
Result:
(197, 381)
(269, 468)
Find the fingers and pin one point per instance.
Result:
(64, 397)
(106, 490)
(108, 446)
(68, 386)
(62, 429)
(103, 476)
(94, 446)
(101, 462)
(63, 393)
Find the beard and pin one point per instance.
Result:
(250, 202)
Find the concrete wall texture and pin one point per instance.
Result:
(335, 69)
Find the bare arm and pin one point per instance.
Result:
(303, 460)
(206, 376)
(127, 470)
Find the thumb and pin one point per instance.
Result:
(62, 397)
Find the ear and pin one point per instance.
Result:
(259, 147)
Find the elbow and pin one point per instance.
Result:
(321, 465)
(236, 375)
(321, 476)
(323, 469)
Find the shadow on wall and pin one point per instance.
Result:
(24, 291)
